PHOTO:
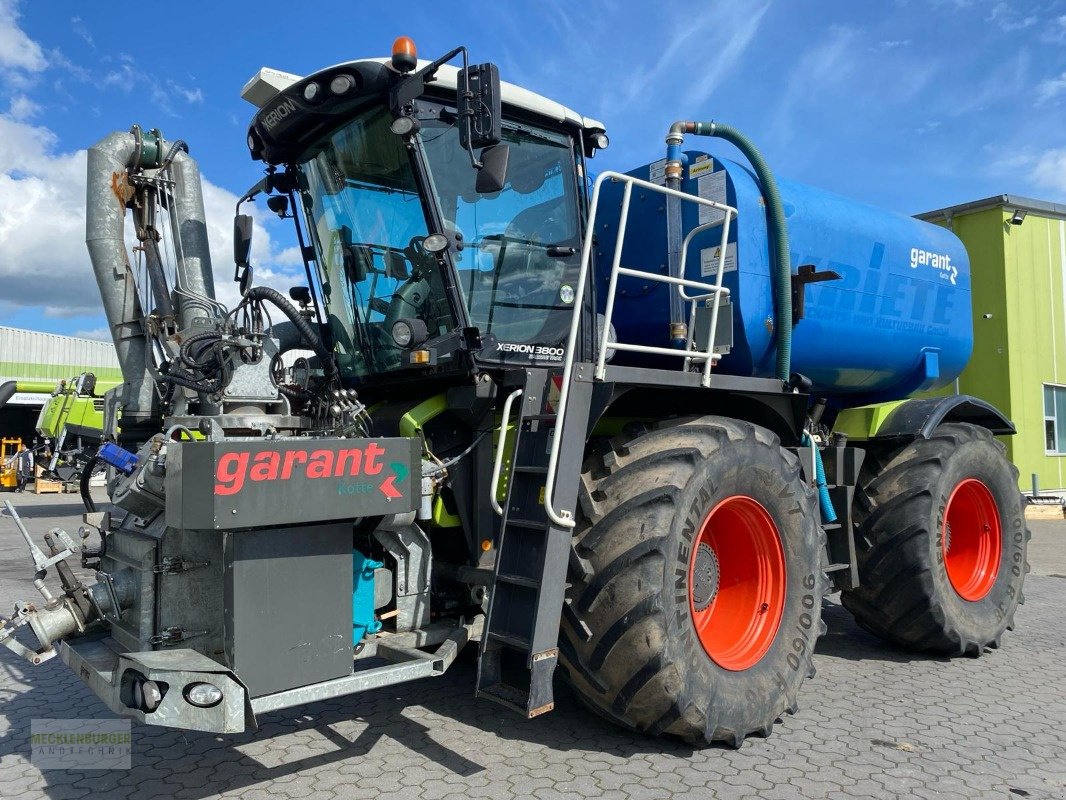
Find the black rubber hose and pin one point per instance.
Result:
(186, 349)
(306, 331)
(189, 383)
(86, 475)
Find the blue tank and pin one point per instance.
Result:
(898, 319)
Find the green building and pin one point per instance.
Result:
(1017, 250)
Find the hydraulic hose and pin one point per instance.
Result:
(83, 484)
(306, 331)
(829, 514)
(781, 272)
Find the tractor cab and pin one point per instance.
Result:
(444, 210)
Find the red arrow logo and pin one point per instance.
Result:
(388, 488)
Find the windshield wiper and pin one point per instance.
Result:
(510, 126)
(374, 187)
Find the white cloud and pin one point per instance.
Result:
(1050, 171)
(99, 334)
(18, 51)
(78, 26)
(44, 262)
(193, 95)
(1055, 30)
(1008, 19)
(824, 65)
(724, 31)
(23, 108)
(1050, 88)
(736, 35)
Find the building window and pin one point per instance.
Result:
(1055, 420)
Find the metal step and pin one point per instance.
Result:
(519, 650)
(518, 580)
(516, 642)
(532, 470)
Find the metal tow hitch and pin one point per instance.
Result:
(60, 616)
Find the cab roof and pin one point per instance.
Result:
(266, 83)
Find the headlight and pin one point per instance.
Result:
(311, 91)
(409, 332)
(203, 695)
(402, 333)
(435, 243)
(405, 126)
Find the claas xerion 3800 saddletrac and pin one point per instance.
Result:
(596, 424)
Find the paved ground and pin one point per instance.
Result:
(875, 722)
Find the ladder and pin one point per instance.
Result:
(519, 647)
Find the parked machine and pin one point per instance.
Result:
(71, 422)
(588, 427)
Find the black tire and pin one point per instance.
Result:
(906, 595)
(630, 647)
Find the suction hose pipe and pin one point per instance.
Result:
(781, 275)
(829, 514)
(306, 331)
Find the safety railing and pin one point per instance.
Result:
(714, 291)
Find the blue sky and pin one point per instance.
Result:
(910, 105)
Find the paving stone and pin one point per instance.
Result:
(876, 722)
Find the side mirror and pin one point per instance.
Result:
(478, 103)
(242, 239)
(354, 259)
(492, 176)
(396, 265)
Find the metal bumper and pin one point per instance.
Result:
(111, 675)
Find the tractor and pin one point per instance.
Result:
(584, 421)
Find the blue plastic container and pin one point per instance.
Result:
(897, 321)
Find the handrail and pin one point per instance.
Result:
(565, 519)
(497, 466)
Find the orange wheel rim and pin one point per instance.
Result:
(970, 540)
(737, 583)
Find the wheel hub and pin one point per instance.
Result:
(971, 540)
(705, 576)
(737, 583)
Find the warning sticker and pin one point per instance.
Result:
(710, 256)
(711, 186)
(701, 167)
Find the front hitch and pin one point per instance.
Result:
(60, 616)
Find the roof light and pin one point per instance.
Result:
(341, 84)
(310, 91)
(404, 54)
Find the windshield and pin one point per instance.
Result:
(367, 222)
(517, 267)
(516, 249)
